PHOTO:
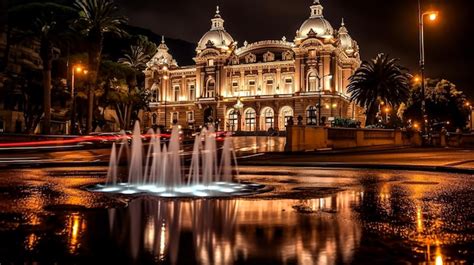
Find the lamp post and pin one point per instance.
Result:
(421, 17)
(471, 122)
(78, 69)
(321, 79)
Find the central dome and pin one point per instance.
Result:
(217, 36)
(317, 23)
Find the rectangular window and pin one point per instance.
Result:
(269, 87)
(252, 88)
(176, 93)
(235, 88)
(210, 62)
(190, 116)
(174, 118)
(192, 92)
(288, 86)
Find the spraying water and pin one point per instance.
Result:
(157, 168)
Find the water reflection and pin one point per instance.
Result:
(75, 226)
(227, 231)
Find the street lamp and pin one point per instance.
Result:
(471, 122)
(321, 79)
(80, 70)
(432, 15)
(387, 111)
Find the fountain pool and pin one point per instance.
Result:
(158, 169)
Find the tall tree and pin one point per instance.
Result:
(49, 27)
(380, 80)
(97, 17)
(444, 103)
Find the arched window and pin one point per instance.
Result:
(250, 119)
(285, 114)
(155, 93)
(233, 120)
(311, 115)
(267, 119)
(312, 81)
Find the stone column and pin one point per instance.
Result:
(278, 79)
(302, 78)
(297, 82)
(276, 122)
(260, 80)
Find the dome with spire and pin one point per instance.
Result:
(316, 23)
(217, 36)
(345, 41)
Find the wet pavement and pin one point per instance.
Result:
(308, 216)
(245, 147)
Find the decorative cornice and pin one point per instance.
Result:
(264, 44)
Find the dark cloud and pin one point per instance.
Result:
(388, 26)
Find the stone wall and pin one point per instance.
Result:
(310, 138)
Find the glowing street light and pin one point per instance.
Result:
(79, 69)
(432, 15)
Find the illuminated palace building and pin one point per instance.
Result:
(257, 86)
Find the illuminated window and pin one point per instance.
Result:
(268, 119)
(269, 87)
(233, 121)
(235, 87)
(210, 62)
(311, 117)
(210, 89)
(288, 85)
(174, 118)
(250, 120)
(285, 114)
(176, 93)
(312, 82)
(192, 92)
(252, 87)
(190, 116)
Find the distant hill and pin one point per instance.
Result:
(181, 50)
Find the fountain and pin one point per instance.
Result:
(160, 169)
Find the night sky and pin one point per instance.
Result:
(388, 26)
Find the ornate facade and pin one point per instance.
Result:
(259, 85)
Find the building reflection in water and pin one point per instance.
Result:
(226, 231)
(75, 227)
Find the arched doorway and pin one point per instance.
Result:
(209, 115)
(267, 119)
(285, 114)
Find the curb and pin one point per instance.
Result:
(446, 169)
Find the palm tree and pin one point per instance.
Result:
(376, 81)
(50, 27)
(136, 59)
(97, 17)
